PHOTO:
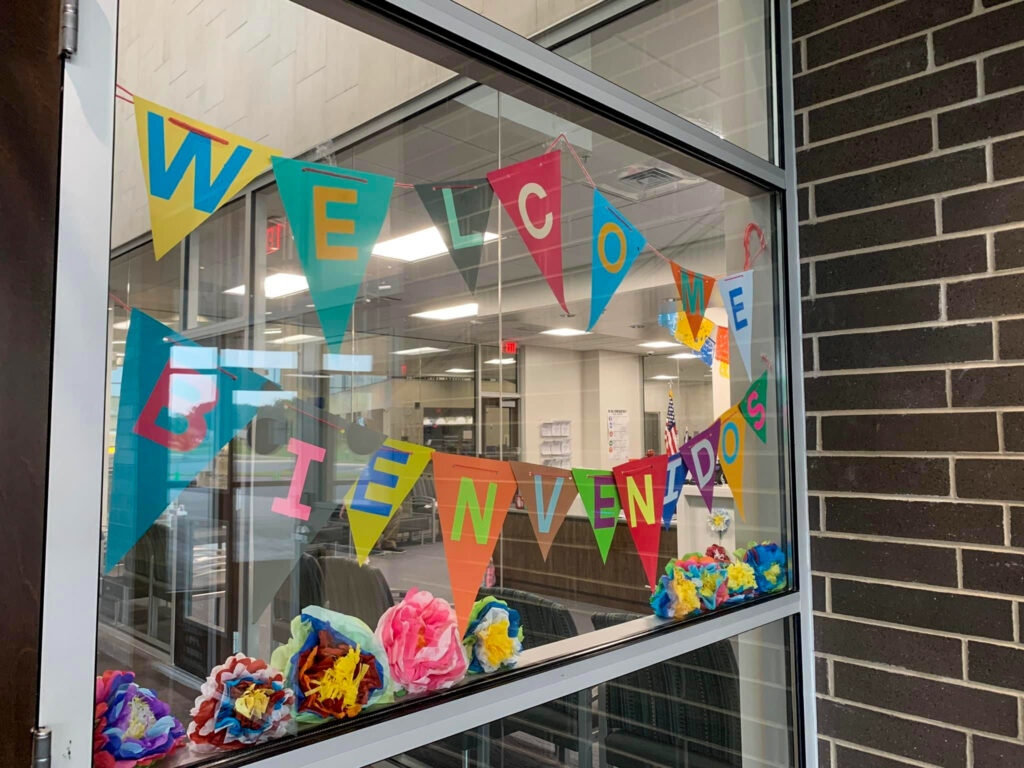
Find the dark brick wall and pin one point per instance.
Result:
(910, 161)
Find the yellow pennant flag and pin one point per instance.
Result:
(730, 453)
(685, 335)
(190, 169)
(382, 486)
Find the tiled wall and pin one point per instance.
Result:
(910, 133)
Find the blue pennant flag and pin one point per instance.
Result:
(176, 410)
(675, 477)
(335, 216)
(615, 248)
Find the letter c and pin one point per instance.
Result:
(539, 233)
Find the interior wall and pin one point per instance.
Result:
(552, 381)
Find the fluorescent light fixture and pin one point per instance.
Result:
(663, 377)
(565, 332)
(348, 363)
(503, 361)
(296, 339)
(449, 313)
(258, 358)
(122, 325)
(683, 356)
(420, 351)
(271, 331)
(417, 245)
(459, 370)
(660, 344)
(276, 286)
(117, 341)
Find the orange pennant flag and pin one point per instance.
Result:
(473, 497)
(731, 450)
(695, 293)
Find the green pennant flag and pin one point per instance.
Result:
(601, 501)
(753, 406)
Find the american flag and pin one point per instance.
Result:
(671, 435)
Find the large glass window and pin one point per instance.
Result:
(543, 399)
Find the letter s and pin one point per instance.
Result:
(756, 410)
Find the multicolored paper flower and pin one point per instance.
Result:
(334, 664)
(421, 638)
(677, 594)
(132, 726)
(742, 583)
(494, 637)
(242, 702)
(717, 553)
(769, 564)
(719, 520)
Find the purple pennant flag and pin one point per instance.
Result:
(699, 456)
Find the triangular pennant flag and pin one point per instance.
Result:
(176, 410)
(382, 486)
(730, 453)
(601, 502)
(641, 485)
(548, 492)
(190, 169)
(531, 192)
(674, 479)
(473, 496)
(753, 405)
(335, 216)
(722, 344)
(695, 293)
(699, 455)
(685, 335)
(460, 210)
(738, 294)
(616, 244)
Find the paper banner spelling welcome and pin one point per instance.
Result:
(176, 410)
(531, 193)
(382, 486)
(190, 169)
(460, 211)
(615, 246)
(695, 293)
(548, 492)
(738, 293)
(641, 484)
(601, 502)
(335, 216)
(473, 496)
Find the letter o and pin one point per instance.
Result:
(611, 228)
(730, 428)
(533, 188)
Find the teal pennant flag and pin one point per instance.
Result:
(335, 216)
(615, 247)
(176, 409)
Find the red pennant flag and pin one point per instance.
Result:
(695, 293)
(531, 192)
(473, 497)
(641, 485)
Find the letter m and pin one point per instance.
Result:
(467, 499)
(693, 293)
(164, 181)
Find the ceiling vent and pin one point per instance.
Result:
(647, 179)
(642, 182)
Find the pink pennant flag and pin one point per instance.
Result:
(699, 456)
(531, 192)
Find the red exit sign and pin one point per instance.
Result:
(274, 231)
(509, 347)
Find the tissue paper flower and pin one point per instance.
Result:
(719, 520)
(676, 596)
(742, 583)
(714, 584)
(769, 564)
(717, 553)
(494, 638)
(133, 727)
(421, 638)
(242, 702)
(334, 664)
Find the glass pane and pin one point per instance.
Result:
(729, 704)
(305, 438)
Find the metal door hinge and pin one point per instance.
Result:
(68, 27)
(41, 747)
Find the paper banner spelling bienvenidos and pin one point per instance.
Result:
(641, 484)
(699, 455)
(335, 216)
(473, 496)
(675, 477)
(753, 405)
(383, 484)
(601, 502)
(190, 169)
(731, 451)
(738, 293)
(615, 246)
(548, 492)
(531, 193)
(695, 293)
(460, 211)
(176, 410)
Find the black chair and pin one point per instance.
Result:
(682, 713)
(567, 722)
(356, 590)
(309, 591)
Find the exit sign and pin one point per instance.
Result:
(509, 347)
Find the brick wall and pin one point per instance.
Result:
(910, 136)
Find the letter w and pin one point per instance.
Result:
(163, 182)
(467, 499)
